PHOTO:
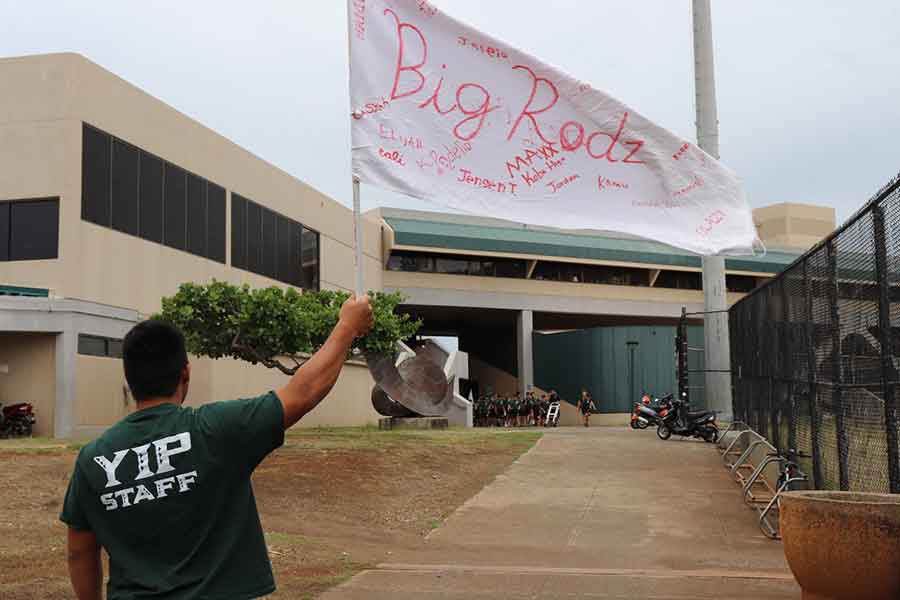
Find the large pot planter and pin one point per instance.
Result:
(843, 545)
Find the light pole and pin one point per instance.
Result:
(715, 322)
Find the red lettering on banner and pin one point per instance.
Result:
(476, 112)
(555, 186)
(695, 183)
(547, 151)
(359, 18)
(500, 187)
(392, 156)
(528, 111)
(490, 51)
(710, 222)
(681, 151)
(605, 183)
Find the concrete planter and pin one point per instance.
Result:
(843, 545)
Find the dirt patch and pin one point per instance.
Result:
(331, 501)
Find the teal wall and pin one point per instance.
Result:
(599, 360)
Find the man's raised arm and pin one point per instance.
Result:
(312, 382)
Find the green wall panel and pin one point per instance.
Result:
(600, 360)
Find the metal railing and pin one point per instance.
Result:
(816, 351)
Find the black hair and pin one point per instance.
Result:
(154, 357)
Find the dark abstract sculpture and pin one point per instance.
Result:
(414, 387)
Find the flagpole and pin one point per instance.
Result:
(717, 355)
(357, 240)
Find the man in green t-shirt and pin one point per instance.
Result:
(166, 491)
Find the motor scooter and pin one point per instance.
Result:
(680, 421)
(17, 420)
(646, 412)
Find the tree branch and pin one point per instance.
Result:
(270, 363)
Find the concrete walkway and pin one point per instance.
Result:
(594, 513)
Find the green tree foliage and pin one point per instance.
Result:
(270, 324)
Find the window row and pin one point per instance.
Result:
(29, 229)
(557, 271)
(270, 244)
(135, 192)
(94, 345)
(457, 265)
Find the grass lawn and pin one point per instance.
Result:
(332, 501)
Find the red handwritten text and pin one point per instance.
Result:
(475, 112)
(710, 222)
(696, 182)
(546, 152)
(605, 183)
(490, 51)
(392, 156)
(560, 184)
(359, 18)
(407, 141)
(426, 8)
(572, 134)
(370, 109)
(681, 152)
(500, 187)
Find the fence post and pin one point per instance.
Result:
(887, 345)
(772, 345)
(811, 374)
(786, 359)
(837, 396)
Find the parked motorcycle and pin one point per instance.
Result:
(647, 411)
(17, 420)
(680, 421)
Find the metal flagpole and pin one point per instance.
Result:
(357, 240)
(715, 321)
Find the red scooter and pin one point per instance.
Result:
(17, 420)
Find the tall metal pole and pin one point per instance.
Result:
(715, 324)
(357, 241)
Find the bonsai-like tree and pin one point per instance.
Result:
(269, 326)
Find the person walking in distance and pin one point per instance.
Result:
(166, 491)
(586, 406)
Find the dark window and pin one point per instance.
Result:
(269, 244)
(238, 231)
(546, 271)
(510, 268)
(34, 230)
(125, 165)
(95, 177)
(215, 229)
(284, 249)
(196, 215)
(740, 283)
(254, 238)
(94, 345)
(453, 266)
(310, 254)
(487, 268)
(151, 201)
(681, 280)
(4, 230)
(174, 212)
(296, 261)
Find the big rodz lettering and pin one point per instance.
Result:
(438, 81)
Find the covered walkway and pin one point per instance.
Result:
(596, 513)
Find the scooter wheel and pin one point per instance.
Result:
(711, 435)
(643, 425)
(634, 425)
(663, 432)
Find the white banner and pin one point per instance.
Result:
(445, 113)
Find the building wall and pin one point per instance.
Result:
(30, 364)
(44, 103)
(792, 225)
(530, 291)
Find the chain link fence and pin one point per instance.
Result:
(816, 351)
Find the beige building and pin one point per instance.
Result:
(82, 260)
(109, 199)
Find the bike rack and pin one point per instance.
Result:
(742, 462)
(729, 452)
(735, 426)
(770, 531)
(747, 492)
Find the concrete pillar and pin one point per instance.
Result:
(64, 412)
(524, 330)
(715, 326)
(717, 345)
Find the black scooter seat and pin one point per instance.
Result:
(699, 415)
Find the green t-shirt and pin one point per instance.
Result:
(167, 492)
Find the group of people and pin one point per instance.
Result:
(499, 410)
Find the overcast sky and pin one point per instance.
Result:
(809, 90)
